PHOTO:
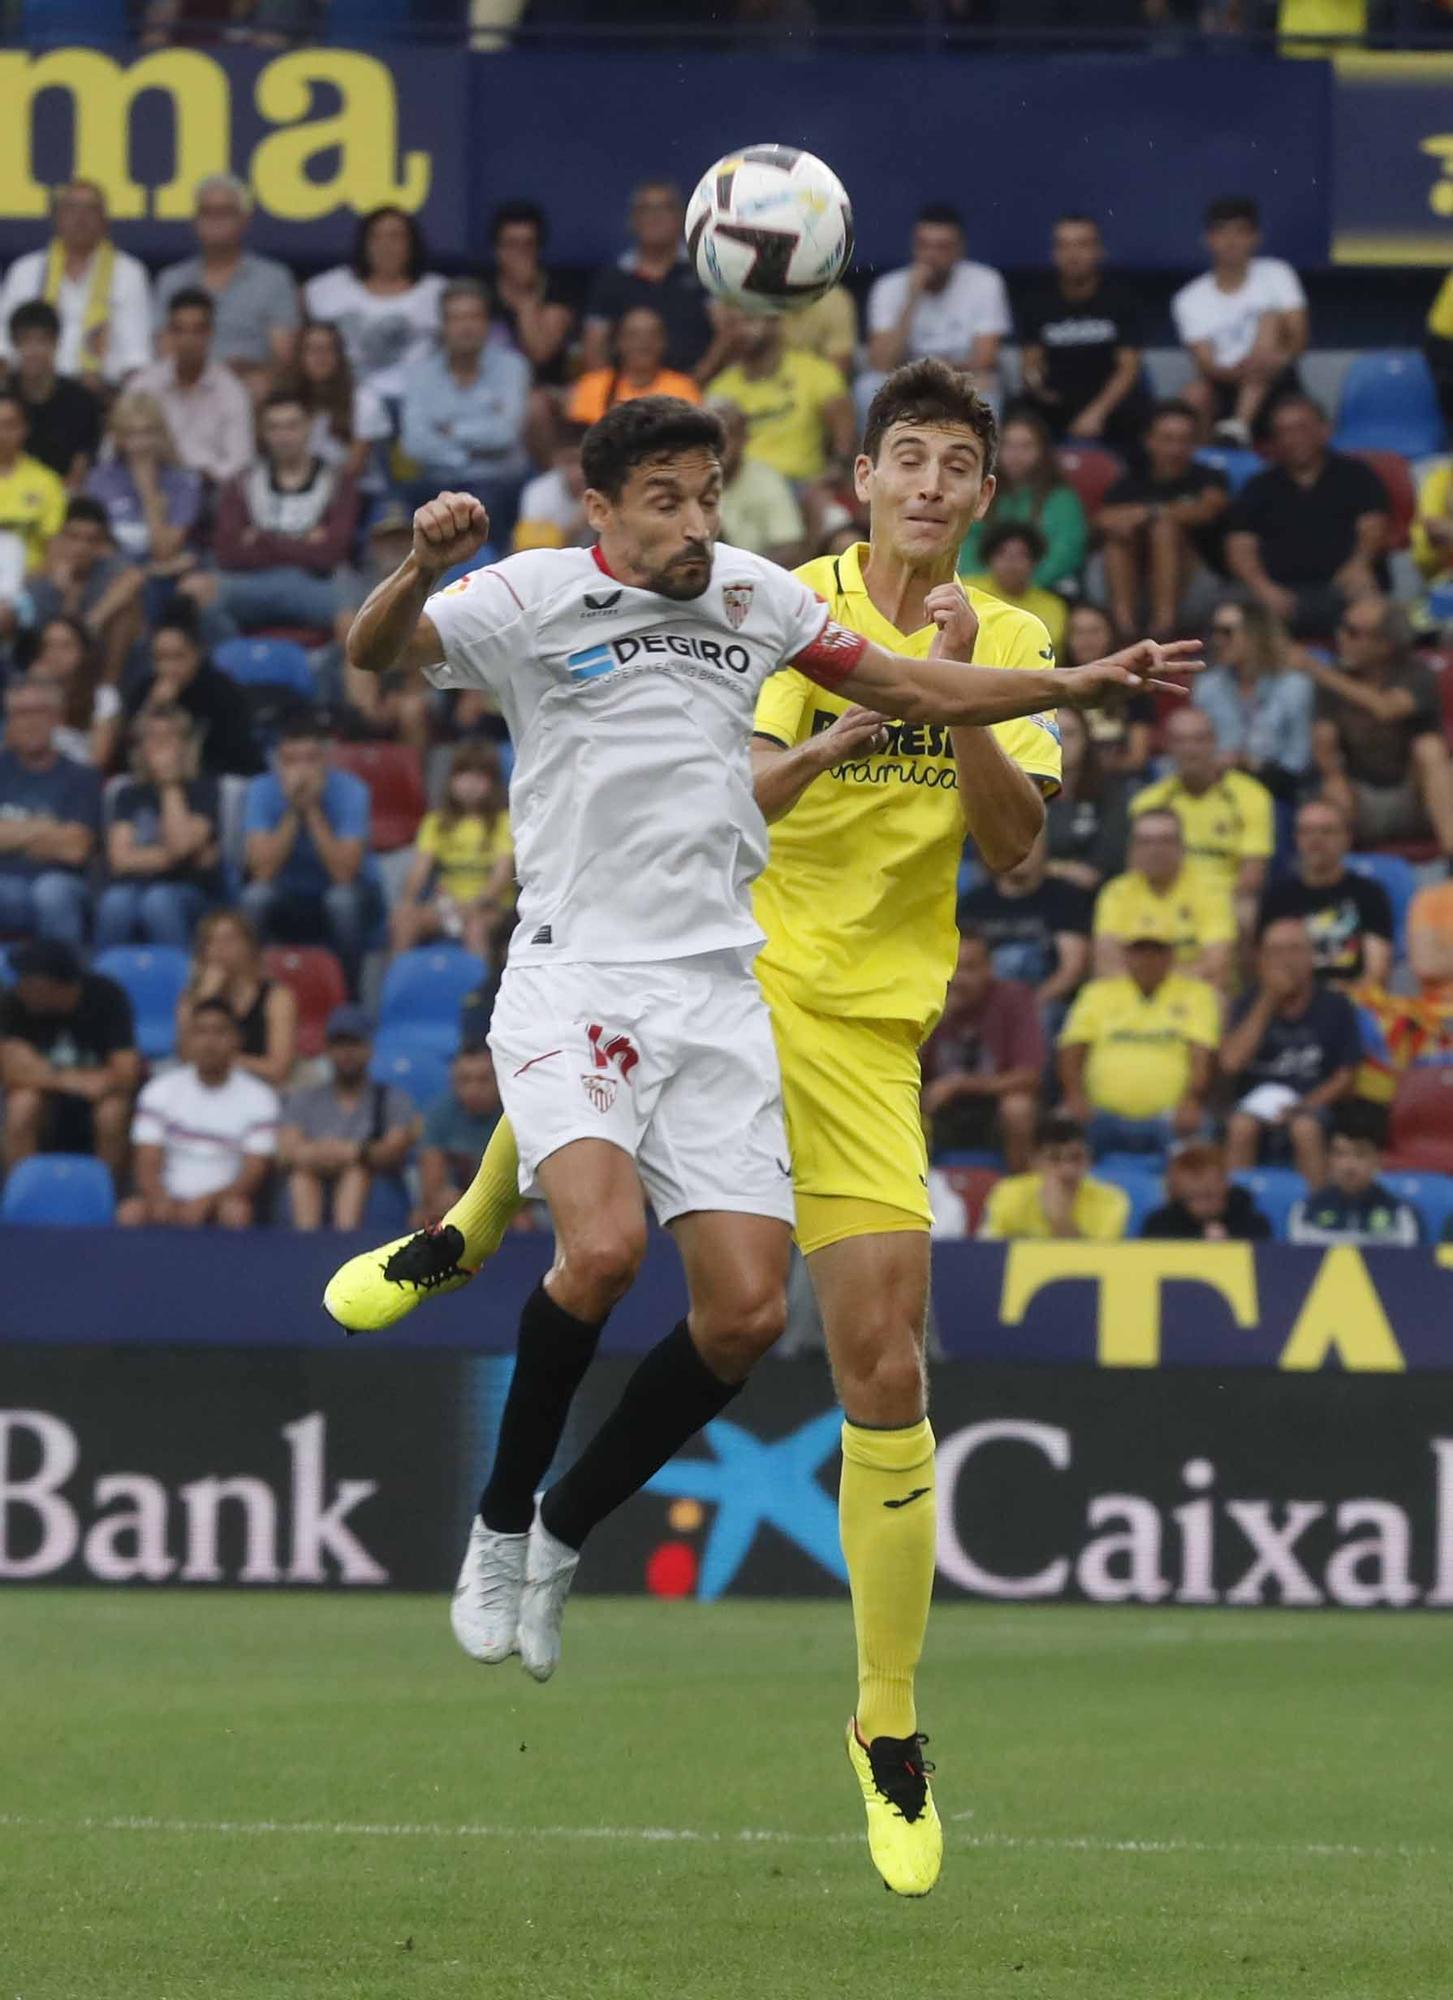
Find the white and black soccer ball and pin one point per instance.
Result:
(769, 228)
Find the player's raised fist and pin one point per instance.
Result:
(958, 623)
(448, 530)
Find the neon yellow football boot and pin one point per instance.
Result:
(905, 1838)
(378, 1288)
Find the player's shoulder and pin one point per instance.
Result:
(737, 566)
(1010, 624)
(821, 575)
(515, 583)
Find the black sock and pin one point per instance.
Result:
(665, 1403)
(554, 1351)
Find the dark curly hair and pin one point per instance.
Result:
(645, 429)
(930, 392)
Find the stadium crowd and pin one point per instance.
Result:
(256, 904)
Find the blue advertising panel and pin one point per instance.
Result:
(1124, 1306)
(323, 135)
(1392, 160)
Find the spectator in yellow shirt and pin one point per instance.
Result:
(1137, 1054)
(828, 327)
(799, 414)
(462, 878)
(759, 509)
(1433, 525)
(1227, 816)
(32, 498)
(1010, 550)
(1159, 887)
(640, 353)
(1057, 1198)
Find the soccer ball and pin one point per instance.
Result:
(769, 228)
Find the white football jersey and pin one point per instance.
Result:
(636, 833)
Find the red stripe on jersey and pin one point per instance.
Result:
(500, 577)
(602, 565)
(832, 655)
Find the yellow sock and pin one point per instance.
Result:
(886, 1518)
(492, 1200)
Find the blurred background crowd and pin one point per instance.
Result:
(253, 907)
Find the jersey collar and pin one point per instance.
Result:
(867, 618)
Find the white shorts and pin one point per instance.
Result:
(673, 1062)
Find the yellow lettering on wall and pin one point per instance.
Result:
(364, 132)
(103, 96)
(1129, 1277)
(1343, 1315)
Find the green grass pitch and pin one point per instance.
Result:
(317, 1798)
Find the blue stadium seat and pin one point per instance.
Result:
(1430, 1194)
(267, 663)
(1235, 466)
(1141, 1176)
(420, 1070)
(1400, 879)
(154, 977)
(1276, 1191)
(1389, 403)
(62, 1189)
(429, 985)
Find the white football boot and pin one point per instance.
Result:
(486, 1607)
(549, 1572)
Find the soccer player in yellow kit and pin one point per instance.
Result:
(869, 819)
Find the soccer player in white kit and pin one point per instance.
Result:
(633, 1046)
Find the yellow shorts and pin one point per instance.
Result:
(850, 1088)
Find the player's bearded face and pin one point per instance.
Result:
(925, 490)
(660, 531)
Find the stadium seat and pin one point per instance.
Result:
(1235, 466)
(68, 1190)
(1399, 879)
(1142, 1178)
(428, 985)
(1430, 1194)
(1389, 403)
(317, 983)
(395, 780)
(1276, 1191)
(154, 977)
(1420, 1131)
(418, 1069)
(1402, 496)
(267, 663)
(1091, 471)
(972, 1185)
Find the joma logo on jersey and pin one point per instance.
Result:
(597, 660)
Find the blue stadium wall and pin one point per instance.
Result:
(1157, 1424)
(1351, 161)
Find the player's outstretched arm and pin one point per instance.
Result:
(390, 629)
(936, 690)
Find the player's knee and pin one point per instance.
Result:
(884, 1382)
(735, 1334)
(600, 1267)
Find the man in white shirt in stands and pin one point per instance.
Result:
(102, 295)
(1244, 322)
(940, 304)
(206, 407)
(204, 1135)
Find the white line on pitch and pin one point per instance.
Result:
(681, 1835)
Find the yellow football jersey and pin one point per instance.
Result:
(1015, 1208)
(1231, 822)
(857, 900)
(1139, 1063)
(1195, 909)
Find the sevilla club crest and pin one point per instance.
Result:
(737, 597)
